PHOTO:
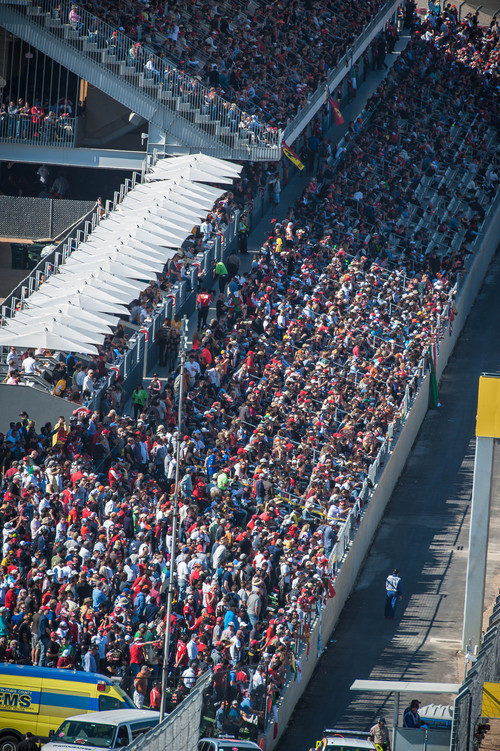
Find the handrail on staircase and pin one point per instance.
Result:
(158, 78)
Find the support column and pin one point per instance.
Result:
(478, 543)
(395, 719)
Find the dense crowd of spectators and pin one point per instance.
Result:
(266, 58)
(289, 392)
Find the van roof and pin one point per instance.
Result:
(79, 676)
(115, 716)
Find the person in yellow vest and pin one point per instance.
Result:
(60, 386)
(60, 432)
(380, 735)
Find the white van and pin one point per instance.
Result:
(97, 730)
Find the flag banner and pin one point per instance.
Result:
(337, 114)
(433, 385)
(292, 156)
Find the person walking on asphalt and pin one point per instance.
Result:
(393, 594)
(380, 735)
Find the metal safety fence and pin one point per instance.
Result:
(469, 722)
(179, 730)
(47, 131)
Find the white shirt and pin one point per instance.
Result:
(183, 571)
(13, 361)
(29, 364)
(192, 649)
(88, 384)
(193, 369)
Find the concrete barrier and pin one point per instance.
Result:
(40, 406)
(351, 566)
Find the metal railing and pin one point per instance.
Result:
(179, 730)
(57, 131)
(468, 709)
(206, 116)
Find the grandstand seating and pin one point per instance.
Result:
(292, 395)
(173, 101)
(267, 58)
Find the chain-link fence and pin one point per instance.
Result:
(468, 719)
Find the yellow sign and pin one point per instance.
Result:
(488, 408)
(491, 700)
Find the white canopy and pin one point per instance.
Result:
(34, 318)
(68, 308)
(209, 164)
(46, 339)
(100, 305)
(78, 305)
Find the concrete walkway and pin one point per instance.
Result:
(425, 534)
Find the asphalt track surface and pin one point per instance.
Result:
(425, 534)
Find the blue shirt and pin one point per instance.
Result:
(98, 596)
(231, 618)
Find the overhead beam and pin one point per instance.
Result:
(73, 157)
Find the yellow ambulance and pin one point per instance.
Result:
(39, 699)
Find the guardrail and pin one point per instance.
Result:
(57, 131)
(179, 730)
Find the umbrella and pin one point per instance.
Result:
(175, 209)
(100, 279)
(181, 187)
(104, 293)
(171, 237)
(202, 161)
(46, 339)
(122, 246)
(115, 266)
(55, 326)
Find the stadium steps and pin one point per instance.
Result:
(183, 114)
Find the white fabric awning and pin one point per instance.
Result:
(209, 165)
(46, 339)
(78, 305)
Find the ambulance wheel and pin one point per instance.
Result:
(8, 743)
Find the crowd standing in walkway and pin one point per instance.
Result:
(289, 393)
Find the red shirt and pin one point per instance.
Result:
(136, 653)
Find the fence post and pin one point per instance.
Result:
(51, 217)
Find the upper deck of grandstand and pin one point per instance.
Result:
(266, 57)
